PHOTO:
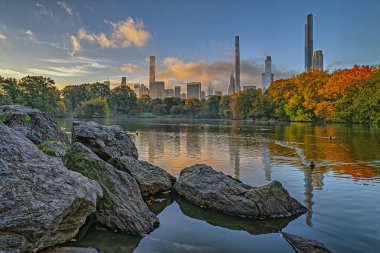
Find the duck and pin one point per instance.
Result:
(312, 164)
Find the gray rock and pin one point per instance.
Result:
(151, 179)
(122, 206)
(70, 250)
(305, 245)
(206, 187)
(39, 127)
(105, 141)
(41, 202)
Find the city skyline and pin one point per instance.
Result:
(63, 39)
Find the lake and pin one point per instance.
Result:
(342, 192)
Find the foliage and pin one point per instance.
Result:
(3, 118)
(93, 108)
(122, 100)
(27, 118)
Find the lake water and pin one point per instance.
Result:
(342, 192)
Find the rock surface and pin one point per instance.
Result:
(105, 141)
(305, 245)
(41, 202)
(39, 127)
(206, 187)
(122, 206)
(150, 178)
(70, 250)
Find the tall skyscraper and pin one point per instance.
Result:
(318, 60)
(194, 90)
(177, 91)
(152, 71)
(231, 88)
(309, 43)
(267, 76)
(210, 91)
(237, 64)
(123, 82)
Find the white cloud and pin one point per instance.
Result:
(11, 73)
(66, 7)
(59, 71)
(75, 44)
(2, 37)
(44, 11)
(124, 34)
(30, 34)
(129, 68)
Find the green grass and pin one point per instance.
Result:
(27, 117)
(3, 118)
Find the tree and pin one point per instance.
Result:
(93, 108)
(122, 100)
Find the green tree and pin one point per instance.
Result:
(122, 100)
(93, 108)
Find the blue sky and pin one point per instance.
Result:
(85, 41)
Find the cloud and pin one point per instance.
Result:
(128, 68)
(2, 37)
(66, 7)
(75, 44)
(11, 73)
(59, 71)
(175, 71)
(124, 34)
(44, 11)
(29, 34)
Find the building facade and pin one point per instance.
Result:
(169, 93)
(318, 60)
(231, 88)
(152, 71)
(309, 43)
(237, 64)
(267, 76)
(158, 90)
(177, 91)
(249, 87)
(194, 90)
(218, 93)
(123, 82)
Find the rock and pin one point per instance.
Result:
(105, 141)
(122, 206)
(252, 226)
(151, 179)
(41, 202)
(206, 187)
(39, 127)
(70, 250)
(305, 245)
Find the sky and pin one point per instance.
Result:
(84, 41)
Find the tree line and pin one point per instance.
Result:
(348, 95)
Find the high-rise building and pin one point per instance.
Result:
(177, 91)
(237, 64)
(231, 88)
(203, 94)
(267, 76)
(152, 71)
(309, 43)
(157, 90)
(318, 60)
(194, 90)
(136, 89)
(123, 82)
(210, 91)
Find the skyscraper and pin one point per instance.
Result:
(194, 90)
(318, 60)
(177, 91)
(267, 76)
(158, 90)
(309, 43)
(123, 82)
(152, 71)
(237, 64)
(231, 88)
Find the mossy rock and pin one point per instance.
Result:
(82, 163)
(49, 147)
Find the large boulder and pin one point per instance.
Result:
(151, 179)
(206, 187)
(122, 206)
(41, 202)
(39, 127)
(305, 245)
(105, 141)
